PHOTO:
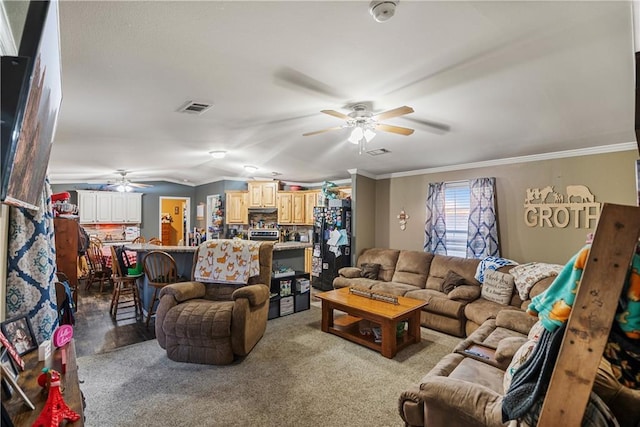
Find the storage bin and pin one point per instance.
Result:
(286, 306)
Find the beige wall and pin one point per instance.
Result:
(610, 177)
(363, 197)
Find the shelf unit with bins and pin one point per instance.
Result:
(280, 305)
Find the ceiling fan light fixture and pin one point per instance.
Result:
(218, 154)
(369, 134)
(356, 135)
(250, 169)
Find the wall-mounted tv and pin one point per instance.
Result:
(30, 100)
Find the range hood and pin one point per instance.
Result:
(263, 210)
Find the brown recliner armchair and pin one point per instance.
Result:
(211, 323)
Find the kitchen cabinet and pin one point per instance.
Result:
(292, 207)
(285, 204)
(262, 194)
(312, 198)
(126, 207)
(237, 209)
(297, 208)
(109, 207)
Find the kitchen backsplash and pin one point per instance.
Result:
(112, 232)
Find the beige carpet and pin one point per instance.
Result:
(295, 376)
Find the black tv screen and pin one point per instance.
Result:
(31, 99)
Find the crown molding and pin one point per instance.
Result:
(362, 172)
(603, 149)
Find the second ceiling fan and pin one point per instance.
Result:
(365, 123)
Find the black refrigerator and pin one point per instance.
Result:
(331, 243)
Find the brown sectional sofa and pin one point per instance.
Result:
(420, 275)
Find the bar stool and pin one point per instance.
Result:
(161, 270)
(123, 285)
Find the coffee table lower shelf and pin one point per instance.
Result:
(348, 327)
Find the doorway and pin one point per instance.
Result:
(175, 220)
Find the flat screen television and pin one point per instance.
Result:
(30, 101)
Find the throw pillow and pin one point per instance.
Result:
(518, 360)
(507, 347)
(451, 281)
(497, 287)
(527, 275)
(370, 270)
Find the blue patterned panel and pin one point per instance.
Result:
(435, 229)
(32, 267)
(482, 240)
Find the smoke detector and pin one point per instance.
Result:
(382, 10)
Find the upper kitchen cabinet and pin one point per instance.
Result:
(236, 205)
(312, 198)
(263, 194)
(291, 207)
(109, 207)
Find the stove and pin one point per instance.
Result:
(264, 234)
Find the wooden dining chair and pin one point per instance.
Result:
(161, 270)
(155, 241)
(95, 240)
(139, 239)
(98, 270)
(124, 286)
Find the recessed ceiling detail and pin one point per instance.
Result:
(195, 107)
(378, 152)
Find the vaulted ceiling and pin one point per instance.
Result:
(487, 80)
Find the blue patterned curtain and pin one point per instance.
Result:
(434, 226)
(482, 240)
(32, 267)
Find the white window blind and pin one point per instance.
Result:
(456, 208)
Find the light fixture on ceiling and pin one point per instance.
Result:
(361, 134)
(382, 10)
(250, 169)
(218, 154)
(124, 187)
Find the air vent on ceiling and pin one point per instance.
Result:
(378, 152)
(195, 107)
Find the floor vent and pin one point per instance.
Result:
(195, 107)
(378, 152)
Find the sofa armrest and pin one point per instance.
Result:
(350, 272)
(411, 406)
(183, 291)
(256, 294)
(465, 293)
(516, 320)
(468, 402)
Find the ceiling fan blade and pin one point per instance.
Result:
(293, 78)
(138, 185)
(435, 127)
(336, 114)
(400, 111)
(321, 131)
(394, 129)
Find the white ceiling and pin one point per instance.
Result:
(507, 78)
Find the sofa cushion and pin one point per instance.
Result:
(412, 268)
(477, 372)
(361, 282)
(466, 293)
(350, 272)
(507, 347)
(481, 309)
(387, 258)
(370, 270)
(515, 320)
(497, 287)
(451, 281)
(441, 264)
(438, 303)
(527, 275)
(393, 288)
(519, 358)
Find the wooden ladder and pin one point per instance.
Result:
(591, 317)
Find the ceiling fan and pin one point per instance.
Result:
(365, 123)
(124, 185)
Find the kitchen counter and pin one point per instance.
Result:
(146, 247)
(287, 246)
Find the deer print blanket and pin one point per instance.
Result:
(227, 261)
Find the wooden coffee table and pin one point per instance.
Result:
(386, 314)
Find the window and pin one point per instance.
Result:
(456, 208)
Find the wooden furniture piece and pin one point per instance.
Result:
(591, 317)
(262, 194)
(139, 239)
(281, 302)
(386, 314)
(166, 233)
(98, 270)
(124, 285)
(161, 270)
(28, 382)
(66, 232)
(155, 241)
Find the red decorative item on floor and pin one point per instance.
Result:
(55, 409)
